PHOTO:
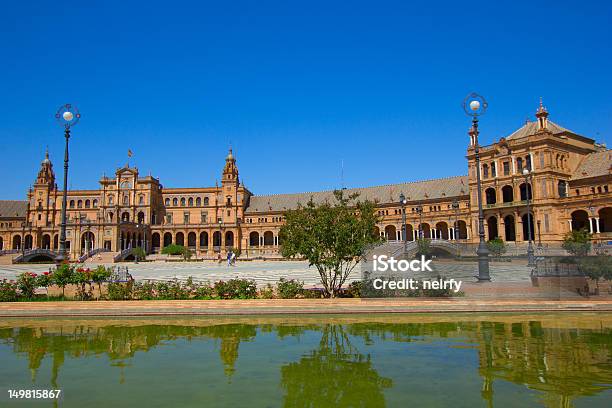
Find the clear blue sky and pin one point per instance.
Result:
(296, 87)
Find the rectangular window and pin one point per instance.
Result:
(493, 170)
(541, 160)
(546, 223)
(543, 189)
(506, 168)
(203, 218)
(186, 218)
(169, 218)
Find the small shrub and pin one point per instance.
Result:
(267, 292)
(424, 247)
(497, 247)
(173, 249)
(289, 289)
(144, 291)
(577, 242)
(27, 283)
(120, 291)
(203, 291)
(139, 254)
(173, 290)
(8, 291)
(236, 289)
(355, 288)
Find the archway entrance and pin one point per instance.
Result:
(46, 241)
(528, 227)
(492, 228)
(509, 228)
(605, 219)
(87, 242)
(167, 239)
(580, 220)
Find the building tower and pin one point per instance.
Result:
(41, 199)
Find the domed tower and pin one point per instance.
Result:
(46, 176)
(229, 200)
(542, 116)
(230, 171)
(41, 198)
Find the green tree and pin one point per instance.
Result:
(424, 247)
(497, 247)
(99, 275)
(173, 249)
(332, 237)
(139, 254)
(63, 276)
(577, 242)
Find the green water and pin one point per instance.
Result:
(464, 360)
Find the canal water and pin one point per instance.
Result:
(425, 360)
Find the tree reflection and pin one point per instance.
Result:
(561, 364)
(335, 374)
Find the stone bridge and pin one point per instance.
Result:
(36, 255)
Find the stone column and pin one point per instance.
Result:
(597, 225)
(591, 225)
(570, 225)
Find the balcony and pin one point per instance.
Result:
(520, 203)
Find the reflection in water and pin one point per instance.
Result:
(338, 366)
(335, 374)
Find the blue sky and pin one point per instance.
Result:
(296, 87)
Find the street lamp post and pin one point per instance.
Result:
(67, 115)
(420, 212)
(403, 202)
(475, 105)
(528, 189)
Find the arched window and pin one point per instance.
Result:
(110, 200)
(126, 200)
(206, 201)
(485, 171)
(95, 203)
(80, 204)
(175, 201)
(71, 203)
(562, 187)
(198, 202)
(167, 202)
(87, 203)
(190, 202)
(182, 201)
(528, 162)
(519, 164)
(141, 199)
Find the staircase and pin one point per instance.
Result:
(100, 258)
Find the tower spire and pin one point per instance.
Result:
(542, 115)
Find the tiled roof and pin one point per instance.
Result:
(531, 128)
(419, 190)
(594, 164)
(12, 208)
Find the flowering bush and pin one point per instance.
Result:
(27, 283)
(63, 276)
(80, 278)
(8, 291)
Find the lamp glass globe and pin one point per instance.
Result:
(525, 172)
(475, 105)
(68, 116)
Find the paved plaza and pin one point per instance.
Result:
(271, 271)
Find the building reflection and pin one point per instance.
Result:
(560, 364)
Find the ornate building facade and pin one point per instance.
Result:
(568, 186)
